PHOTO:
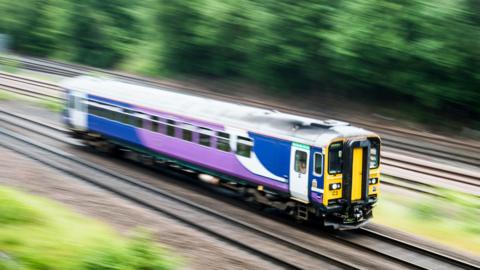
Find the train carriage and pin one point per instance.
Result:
(311, 168)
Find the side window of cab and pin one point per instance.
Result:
(318, 164)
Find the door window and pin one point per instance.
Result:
(300, 162)
(71, 101)
(318, 170)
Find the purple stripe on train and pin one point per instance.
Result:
(316, 197)
(208, 157)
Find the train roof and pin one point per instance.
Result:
(269, 122)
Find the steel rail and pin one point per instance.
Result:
(30, 81)
(297, 246)
(418, 249)
(339, 262)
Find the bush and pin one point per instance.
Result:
(40, 234)
(415, 51)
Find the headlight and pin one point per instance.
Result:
(372, 181)
(335, 186)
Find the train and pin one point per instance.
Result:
(322, 170)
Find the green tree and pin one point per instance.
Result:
(416, 48)
(27, 22)
(95, 32)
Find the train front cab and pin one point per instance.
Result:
(351, 182)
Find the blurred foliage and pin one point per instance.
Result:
(52, 105)
(451, 219)
(5, 95)
(39, 234)
(413, 50)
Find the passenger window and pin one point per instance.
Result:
(204, 138)
(170, 128)
(126, 117)
(107, 113)
(318, 160)
(147, 124)
(300, 162)
(92, 110)
(101, 112)
(154, 124)
(137, 121)
(187, 135)
(117, 116)
(223, 141)
(335, 161)
(244, 146)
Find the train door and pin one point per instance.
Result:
(357, 173)
(299, 167)
(77, 110)
(356, 170)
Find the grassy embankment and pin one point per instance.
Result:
(36, 233)
(453, 220)
(50, 104)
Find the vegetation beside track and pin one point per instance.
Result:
(47, 103)
(453, 219)
(36, 233)
(52, 105)
(403, 54)
(5, 95)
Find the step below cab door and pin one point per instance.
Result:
(299, 168)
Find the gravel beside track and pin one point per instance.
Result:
(198, 250)
(375, 249)
(258, 242)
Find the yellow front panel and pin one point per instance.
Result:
(357, 169)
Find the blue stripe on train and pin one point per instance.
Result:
(274, 154)
(112, 128)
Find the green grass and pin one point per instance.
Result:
(453, 221)
(5, 95)
(52, 105)
(11, 67)
(36, 233)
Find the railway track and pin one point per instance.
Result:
(30, 87)
(367, 241)
(415, 254)
(254, 240)
(457, 150)
(401, 164)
